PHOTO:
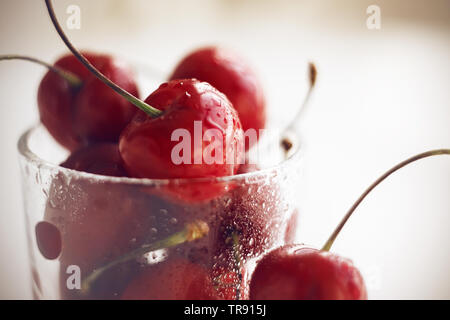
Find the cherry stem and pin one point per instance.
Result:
(312, 76)
(71, 78)
(236, 254)
(238, 262)
(151, 111)
(430, 153)
(192, 231)
(286, 141)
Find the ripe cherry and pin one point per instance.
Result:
(174, 279)
(295, 272)
(230, 74)
(147, 145)
(77, 115)
(299, 273)
(102, 158)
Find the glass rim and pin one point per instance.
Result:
(31, 157)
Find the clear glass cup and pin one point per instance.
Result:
(91, 236)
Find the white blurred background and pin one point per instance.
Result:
(382, 96)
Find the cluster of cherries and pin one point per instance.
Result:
(108, 135)
(94, 121)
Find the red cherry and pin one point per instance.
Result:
(230, 74)
(77, 115)
(299, 273)
(146, 147)
(174, 279)
(102, 158)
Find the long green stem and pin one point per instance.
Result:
(151, 111)
(192, 231)
(72, 79)
(431, 153)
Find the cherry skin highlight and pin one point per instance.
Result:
(146, 144)
(298, 273)
(230, 74)
(76, 116)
